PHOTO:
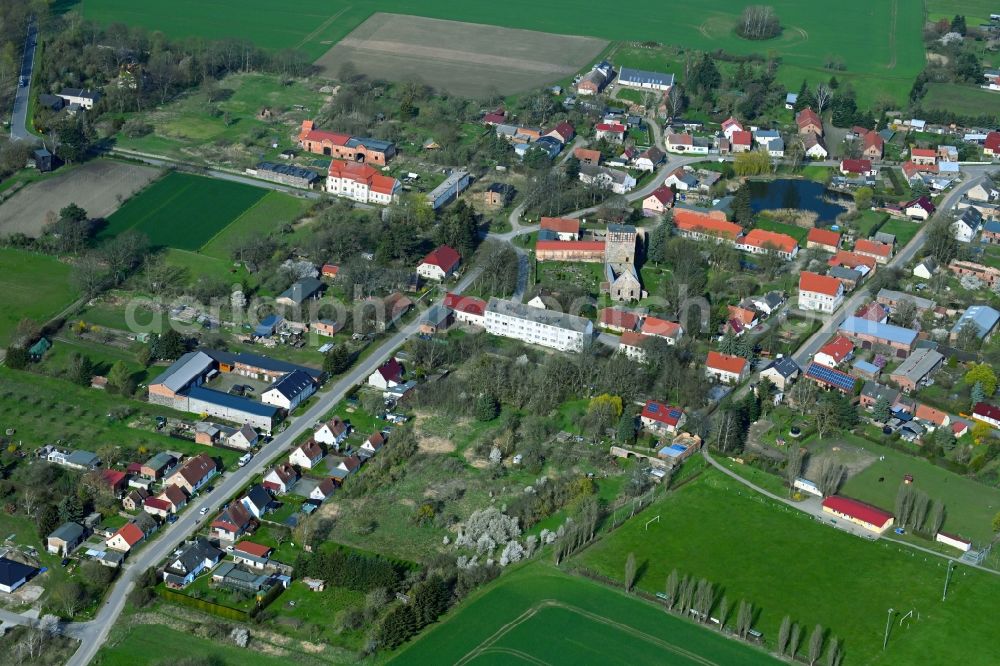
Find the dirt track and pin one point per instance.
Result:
(99, 187)
(469, 59)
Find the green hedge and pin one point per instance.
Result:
(203, 605)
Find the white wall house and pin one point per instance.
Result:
(820, 293)
(548, 328)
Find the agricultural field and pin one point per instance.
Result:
(462, 58)
(968, 100)
(273, 210)
(543, 616)
(775, 568)
(184, 211)
(974, 11)
(31, 285)
(878, 44)
(99, 187)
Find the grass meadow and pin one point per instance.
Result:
(878, 44)
(149, 643)
(903, 230)
(786, 563)
(183, 211)
(31, 285)
(964, 99)
(538, 614)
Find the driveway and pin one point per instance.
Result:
(19, 117)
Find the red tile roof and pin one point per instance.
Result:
(130, 533)
(858, 510)
(819, 284)
(823, 237)
(992, 142)
(660, 327)
(763, 238)
(618, 318)
(657, 411)
(838, 349)
(330, 270)
(873, 139)
(560, 225)
(610, 127)
(986, 410)
(922, 152)
(742, 138)
(926, 413)
(872, 312)
(468, 304)
(632, 339)
(158, 504)
(197, 468)
(362, 173)
(174, 494)
(251, 548)
(564, 129)
(391, 370)
(856, 166)
(692, 221)
(731, 122)
(663, 194)
(336, 138)
(725, 362)
(113, 477)
(310, 448)
(587, 155)
(865, 246)
(444, 257)
(806, 117)
(851, 260)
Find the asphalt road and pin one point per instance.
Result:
(861, 296)
(19, 118)
(93, 634)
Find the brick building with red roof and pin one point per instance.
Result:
(345, 146)
(880, 252)
(556, 250)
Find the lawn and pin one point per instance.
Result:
(878, 44)
(786, 563)
(183, 211)
(969, 505)
(903, 230)
(960, 99)
(795, 231)
(31, 285)
(869, 222)
(153, 643)
(540, 615)
(267, 215)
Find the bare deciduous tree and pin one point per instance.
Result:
(823, 96)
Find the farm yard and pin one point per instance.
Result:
(540, 615)
(470, 59)
(775, 568)
(875, 46)
(99, 187)
(184, 211)
(31, 285)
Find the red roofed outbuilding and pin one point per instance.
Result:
(865, 515)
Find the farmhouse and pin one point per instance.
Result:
(819, 292)
(814, 146)
(658, 202)
(637, 78)
(661, 328)
(615, 180)
(661, 419)
(859, 513)
(344, 146)
(565, 228)
(809, 122)
(557, 330)
(880, 252)
(823, 239)
(871, 333)
(359, 182)
(439, 264)
(194, 473)
(726, 368)
(916, 368)
(301, 290)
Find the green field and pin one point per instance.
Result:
(795, 231)
(962, 99)
(31, 285)
(879, 44)
(903, 230)
(183, 211)
(275, 209)
(786, 563)
(975, 11)
(869, 222)
(538, 615)
(150, 643)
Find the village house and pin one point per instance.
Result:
(892, 299)
(880, 252)
(658, 202)
(685, 143)
(741, 142)
(631, 344)
(194, 557)
(281, 478)
(967, 225)
(705, 226)
(257, 501)
(126, 538)
(661, 419)
(290, 391)
(809, 122)
(346, 467)
(344, 146)
(387, 375)
(372, 445)
(175, 497)
(618, 320)
(467, 309)
(858, 167)
(873, 311)
(761, 241)
(820, 293)
(991, 145)
(619, 182)
(916, 368)
(362, 183)
(306, 455)
(739, 319)
(649, 159)
(323, 490)
(681, 179)
(726, 368)
(926, 268)
(252, 555)
(614, 132)
(829, 378)
(194, 473)
(923, 156)
(134, 498)
(991, 232)
(565, 228)
(872, 145)
(670, 331)
(781, 372)
(440, 264)
(332, 433)
(765, 304)
(83, 98)
(823, 239)
(920, 208)
(870, 334)
(587, 156)
(563, 132)
(835, 352)
(243, 439)
(234, 521)
(65, 538)
(814, 147)
(326, 327)
(299, 292)
(154, 506)
(987, 413)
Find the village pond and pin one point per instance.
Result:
(802, 194)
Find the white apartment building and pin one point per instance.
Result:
(359, 182)
(547, 328)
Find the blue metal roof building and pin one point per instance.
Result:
(983, 317)
(888, 332)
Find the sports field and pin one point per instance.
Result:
(31, 285)
(183, 211)
(878, 43)
(539, 615)
(789, 564)
(462, 58)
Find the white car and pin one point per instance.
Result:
(204, 510)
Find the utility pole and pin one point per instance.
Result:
(947, 577)
(888, 623)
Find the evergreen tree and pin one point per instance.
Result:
(881, 410)
(81, 370)
(48, 520)
(657, 249)
(169, 346)
(487, 407)
(17, 357)
(728, 344)
(337, 360)
(958, 24)
(977, 393)
(745, 347)
(119, 377)
(742, 208)
(751, 407)
(626, 429)
(71, 509)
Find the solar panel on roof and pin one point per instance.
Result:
(830, 376)
(653, 407)
(675, 413)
